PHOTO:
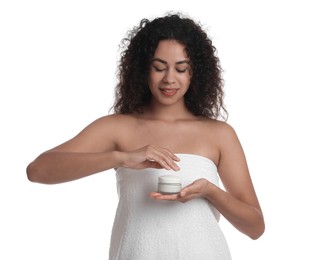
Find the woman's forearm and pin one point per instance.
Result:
(243, 216)
(57, 166)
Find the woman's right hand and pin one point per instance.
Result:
(150, 156)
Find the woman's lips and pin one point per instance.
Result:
(168, 91)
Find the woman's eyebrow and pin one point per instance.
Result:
(182, 62)
(165, 62)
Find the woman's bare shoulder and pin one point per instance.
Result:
(115, 119)
(218, 126)
(220, 132)
(101, 134)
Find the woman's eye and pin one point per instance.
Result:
(181, 70)
(159, 69)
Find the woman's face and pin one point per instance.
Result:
(170, 73)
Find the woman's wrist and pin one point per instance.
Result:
(209, 190)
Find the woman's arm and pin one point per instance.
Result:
(57, 166)
(91, 151)
(244, 216)
(94, 150)
(239, 203)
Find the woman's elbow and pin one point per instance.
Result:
(34, 174)
(259, 230)
(257, 235)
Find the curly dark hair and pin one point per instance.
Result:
(205, 94)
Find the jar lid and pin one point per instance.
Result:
(169, 179)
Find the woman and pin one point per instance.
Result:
(169, 99)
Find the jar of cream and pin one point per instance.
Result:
(169, 184)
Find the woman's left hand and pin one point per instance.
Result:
(197, 189)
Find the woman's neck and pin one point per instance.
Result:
(170, 113)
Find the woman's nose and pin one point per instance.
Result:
(169, 76)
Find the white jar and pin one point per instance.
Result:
(169, 184)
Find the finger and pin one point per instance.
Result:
(169, 159)
(186, 190)
(182, 193)
(171, 155)
(190, 189)
(163, 160)
(154, 157)
(154, 194)
(172, 165)
(163, 156)
(159, 196)
(186, 198)
(156, 161)
(153, 164)
(172, 159)
(166, 163)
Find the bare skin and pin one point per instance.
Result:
(153, 138)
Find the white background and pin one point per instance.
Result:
(57, 74)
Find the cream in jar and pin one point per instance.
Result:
(169, 184)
